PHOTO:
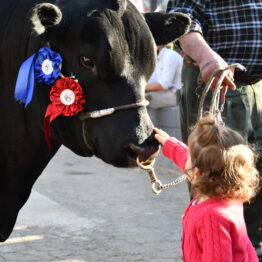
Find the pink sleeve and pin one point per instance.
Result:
(176, 151)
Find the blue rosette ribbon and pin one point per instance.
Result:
(44, 66)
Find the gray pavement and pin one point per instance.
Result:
(83, 210)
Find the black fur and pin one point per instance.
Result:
(167, 27)
(122, 48)
(47, 15)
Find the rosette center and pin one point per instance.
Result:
(67, 97)
(47, 67)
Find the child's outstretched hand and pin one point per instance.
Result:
(161, 136)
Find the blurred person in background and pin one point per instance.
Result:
(161, 5)
(139, 5)
(162, 87)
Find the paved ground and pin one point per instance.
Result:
(83, 210)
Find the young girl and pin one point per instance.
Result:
(222, 173)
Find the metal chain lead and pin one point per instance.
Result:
(175, 182)
(156, 184)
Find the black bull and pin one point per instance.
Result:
(109, 46)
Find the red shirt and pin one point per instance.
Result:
(213, 231)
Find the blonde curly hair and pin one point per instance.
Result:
(225, 162)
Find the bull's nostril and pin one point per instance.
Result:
(144, 153)
(131, 151)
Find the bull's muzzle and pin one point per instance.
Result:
(146, 154)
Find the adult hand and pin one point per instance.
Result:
(161, 136)
(209, 67)
(207, 70)
(194, 45)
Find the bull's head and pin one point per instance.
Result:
(109, 47)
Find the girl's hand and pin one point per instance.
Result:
(161, 136)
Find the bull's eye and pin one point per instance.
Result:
(87, 62)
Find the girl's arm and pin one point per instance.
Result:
(172, 148)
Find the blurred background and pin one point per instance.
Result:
(150, 5)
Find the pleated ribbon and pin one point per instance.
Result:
(67, 99)
(44, 66)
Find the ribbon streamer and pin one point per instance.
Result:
(44, 66)
(25, 81)
(67, 99)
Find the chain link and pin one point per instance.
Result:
(174, 183)
(156, 184)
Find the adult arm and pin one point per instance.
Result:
(154, 87)
(194, 45)
(153, 84)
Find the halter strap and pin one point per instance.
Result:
(110, 111)
(105, 112)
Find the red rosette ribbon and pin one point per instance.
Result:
(67, 99)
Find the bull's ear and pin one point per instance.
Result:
(167, 27)
(45, 15)
(119, 6)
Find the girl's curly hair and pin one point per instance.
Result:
(225, 162)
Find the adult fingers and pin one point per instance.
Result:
(223, 94)
(228, 81)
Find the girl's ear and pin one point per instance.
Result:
(196, 171)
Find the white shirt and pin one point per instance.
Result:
(168, 69)
(138, 4)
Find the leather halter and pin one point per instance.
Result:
(110, 111)
(105, 112)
